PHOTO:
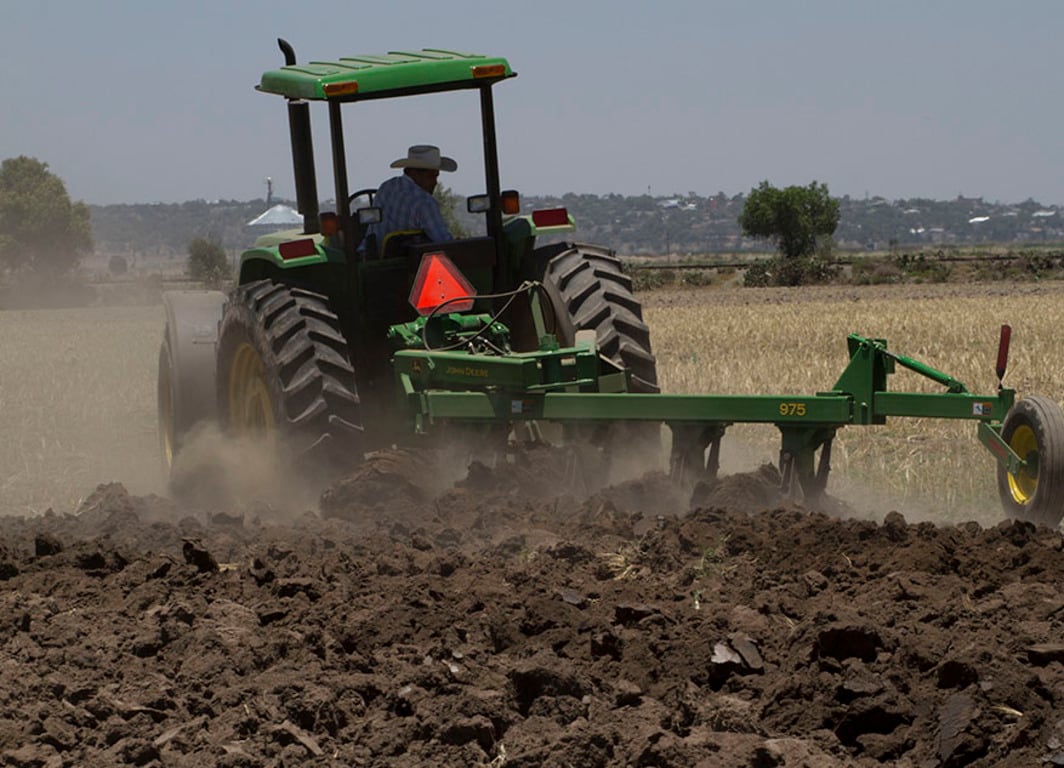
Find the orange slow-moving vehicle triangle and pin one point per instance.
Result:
(439, 281)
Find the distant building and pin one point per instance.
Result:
(278, 217)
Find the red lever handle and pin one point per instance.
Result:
(1003, 351)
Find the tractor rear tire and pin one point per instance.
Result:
(1034, 429)
(285, 376)
(590, 292)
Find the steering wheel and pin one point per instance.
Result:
(369, 192)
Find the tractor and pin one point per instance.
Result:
(300, 352)
(332, 344)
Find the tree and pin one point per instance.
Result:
(207, 261)
(40, 228)
(797, 218)
(448, 199)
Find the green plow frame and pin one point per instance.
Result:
(575, 386)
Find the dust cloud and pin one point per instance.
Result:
(216, 472)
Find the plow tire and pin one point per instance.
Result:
(186, 389)
(590, 292)
(285, 373)
(1034, 429)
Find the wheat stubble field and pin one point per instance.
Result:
(77, 387)
(774, 341)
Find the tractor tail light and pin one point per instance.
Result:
(439, 282)
(550, 217)
(1003, 351)
(295, 249)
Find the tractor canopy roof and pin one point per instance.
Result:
(397, 73)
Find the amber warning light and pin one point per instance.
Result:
(489, 70)
(341, 89)
(440, 282)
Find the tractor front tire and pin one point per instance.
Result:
(1034, 429)
(285, 377)
(590, 292)
(186, 382)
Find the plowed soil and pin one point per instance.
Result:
(510, 620)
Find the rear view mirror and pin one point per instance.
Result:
(369, 215)
(478, 203)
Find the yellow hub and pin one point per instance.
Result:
(250, 407)
(1023, 484)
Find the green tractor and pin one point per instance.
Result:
(333, 344)
(300, 352)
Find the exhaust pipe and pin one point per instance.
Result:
(288, 51)
(302, 152)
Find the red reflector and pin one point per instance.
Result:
(438, 281)
(294, 249)
(550, 217)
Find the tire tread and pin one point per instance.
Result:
(1046, 419)
(310, 359)
(597, 295)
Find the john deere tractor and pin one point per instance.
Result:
(300, 352)
(333, 344)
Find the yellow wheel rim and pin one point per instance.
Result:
(1023, 484)
(250, 407)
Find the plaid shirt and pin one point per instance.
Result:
(405, 205)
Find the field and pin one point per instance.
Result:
(775, 341)
(77, 404)
(77, 387)
(496, 619)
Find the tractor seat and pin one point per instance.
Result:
(395, 241)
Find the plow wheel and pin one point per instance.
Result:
(285, 376)
(1034, 429)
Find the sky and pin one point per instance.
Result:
(154, 101)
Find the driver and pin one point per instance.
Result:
(406, 201)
